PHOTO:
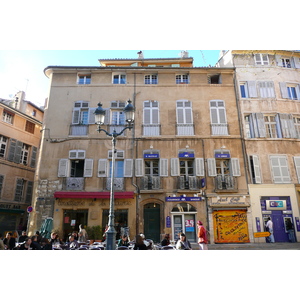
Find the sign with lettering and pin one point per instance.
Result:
(235, 200)
(261, 234)
(186, 155)
(178, 199)
(168, 222)
(156, 155)
(276, 204)
(222, 155)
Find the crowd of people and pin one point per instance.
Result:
(75, 239)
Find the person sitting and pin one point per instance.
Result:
(183, 243)
(123, 242)
(9, 241)
(139, 243)
(23, 237)
(26, 245)
(34, 243)
(166, 240)
(73, 244)
(38, 237)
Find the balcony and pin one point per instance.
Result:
(151, 130)
(79, 130)
(225, 183)
(188, 183)
(117, 128)
(118, 184)
(219, 129)
(73, 184)
(185, 129)
(150, 183)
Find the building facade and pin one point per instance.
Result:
(182, 162)
(267, 85)
(20, 125)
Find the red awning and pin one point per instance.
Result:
(93, 195)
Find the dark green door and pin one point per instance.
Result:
(152, 222)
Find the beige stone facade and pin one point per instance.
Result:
(184, 155)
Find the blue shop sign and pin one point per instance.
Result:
(187, 155)
(183, 199)
(168, 222)
(151, 155)
(222, 155)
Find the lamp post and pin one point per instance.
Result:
(99, 120)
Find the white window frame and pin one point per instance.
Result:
(261, 59)
(119, 78)
(182, 78)
(279, 169)
(8, 117)
(184, 117)
(218, 117)
(84, 79)
(245, 85)
(24, 159)
(151, 79)
(256, 168)
(3, 145)
(297, 125)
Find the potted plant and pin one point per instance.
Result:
(94, 233)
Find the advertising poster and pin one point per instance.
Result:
(230, 226)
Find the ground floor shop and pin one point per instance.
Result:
(279, 202)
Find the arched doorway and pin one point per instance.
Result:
(152, 221)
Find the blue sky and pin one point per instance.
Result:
(23, 69)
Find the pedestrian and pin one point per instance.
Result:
(183, 243)
(166, 240)
(290, 229)
(1, 242)
(269, 227)
(9, 241)
(123, 242)
(73, 244)
(139, 243)
(26, 245)
(23, 237)
(202, 236)
(34, 243)
(38, 237)
(83, 236)
(55, 241)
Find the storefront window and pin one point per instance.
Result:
(121, 221)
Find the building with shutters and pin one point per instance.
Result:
(267, 84)
(20, 125)
(182, 162)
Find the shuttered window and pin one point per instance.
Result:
(255, 169)
(261, 59)
(280, 170)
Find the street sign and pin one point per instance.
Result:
(29, 209)
(261, 234)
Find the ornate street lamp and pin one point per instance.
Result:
(99, 119)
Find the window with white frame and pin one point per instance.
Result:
(218, 117)
(8, 117)
(297, 126)
(81, 113)
(290, 90)
(182, 78)
(266, 89)
(280, 169)
(3, 145)
(151, 79)
(255, 169)
(151, 121)
(25, 154)
(270, 125)
(244, 90)
(119, 78)
(261, 59)
(84, 79)
(184, 114)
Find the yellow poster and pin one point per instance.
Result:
(230, 226)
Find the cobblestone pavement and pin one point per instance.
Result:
(252, 246)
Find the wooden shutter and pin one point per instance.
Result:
(256, 167)
(175, 171)
(280, 169)
(29, 190)
(297, 166)
(252, 89)
(19, 190)
(76, 116)
(139, 167)
(283, 89)
(33, 157)
(163, 167)
(260, 124)
(92, 115)
(212, 169)
(88, 168)
(18, 152)
(199, 167)
(235, 165)
(63, 168)
(128, 167)
(102, 168)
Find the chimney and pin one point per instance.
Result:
(141, 55)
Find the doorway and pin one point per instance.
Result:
(152, 222)
(72, 220)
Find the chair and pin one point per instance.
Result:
(96, 248)
(122, 248)
(167, 248)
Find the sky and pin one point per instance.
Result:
(23, 70)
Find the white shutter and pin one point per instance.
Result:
(265, 59)
(235, 164)
(147, 117)
(278, 60)
(260, 124)
(199, 167)
(297, 88)
(280, 169)
(63, 168)
(92, 115)
(283, 89)
(297, 62)
(163, 167)
(139, 167)
(88, 168)
(212, 169)
(257, 58)
(128, 167)
(175, 171)
(285, 125)
(76, 116)
(256, 166)
(297, 166)
(102, 168)
(252, 89)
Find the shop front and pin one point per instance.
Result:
(229, 217)
(92, 209)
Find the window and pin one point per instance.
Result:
(247, 126)
(19, 191)
(82, 113)
(218, 117)
(119, 79)
(184, 113)
(214, 79)
(84, 79)
(261, 59)
(25, 154)
(255, 169)
(270, 125)
(244, 90)
(8, 117)
(3, 145)
(151, 122)
(117, 118)
(280, 170)
(29, 127)
(297, 126)
(151, 79)
(290, 90)
(266, 89)
(182, 78)
(78, 168)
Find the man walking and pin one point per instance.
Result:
(269, 226)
